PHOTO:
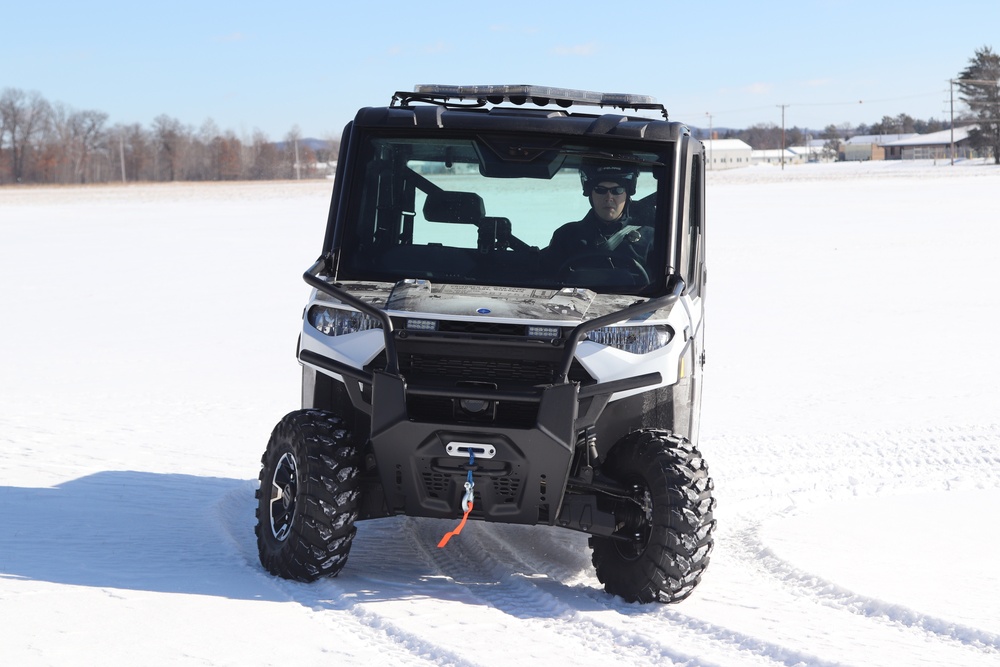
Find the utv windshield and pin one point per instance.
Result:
(508, 211)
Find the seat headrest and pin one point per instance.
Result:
(461, 207)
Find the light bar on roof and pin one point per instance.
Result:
(540, 95)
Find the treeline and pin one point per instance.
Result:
(52, 143)
(41, 142)
(766, 136)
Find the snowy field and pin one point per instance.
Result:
(850, 421)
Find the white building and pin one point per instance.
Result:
(727, 153)
(815, 151)
(776, 156)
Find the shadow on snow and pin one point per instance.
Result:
(134, 530)
(177, 533)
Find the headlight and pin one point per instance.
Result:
(337, 322)
(637, 340)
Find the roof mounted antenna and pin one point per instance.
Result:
(480, 96)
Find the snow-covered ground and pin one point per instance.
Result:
(850, 421)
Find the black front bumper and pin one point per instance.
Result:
(519, 476)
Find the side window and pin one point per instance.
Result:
(695, 256)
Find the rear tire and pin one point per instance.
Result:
(664, 527)
(308, 497)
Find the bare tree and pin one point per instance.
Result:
(901, 124)
(266, 163)
(138, 150)
(22, 118)
(54, 143)
(291, 151)
(205, 153)
(171, 143)
(139, 153)
(87, 130)
(231, 166)
(761, 136)
(833, 138)
(61, 144)
(76, 139)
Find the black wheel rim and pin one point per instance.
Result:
(636, 517)
(284, 490)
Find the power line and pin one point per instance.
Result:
(813, 104)
(883, 99)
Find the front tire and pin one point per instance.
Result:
(308, 497)
(664, 523)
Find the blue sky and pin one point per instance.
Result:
(254, 66)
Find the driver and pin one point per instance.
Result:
(609, 227)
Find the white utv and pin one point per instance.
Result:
(454, 366)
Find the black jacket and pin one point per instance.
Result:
(591, 235)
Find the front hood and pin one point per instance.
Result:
(484, 301)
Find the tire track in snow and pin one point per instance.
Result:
(648, 620)
(514, 582)
(412, 648)
(927, 461)
(832, 594)
(472, 566)
(343, 596)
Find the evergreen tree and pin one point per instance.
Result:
(979, 86)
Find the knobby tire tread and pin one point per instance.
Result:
(322, 528)
(670, 564)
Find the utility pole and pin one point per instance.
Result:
(121, 154)
(711, 139)
(951, 104)
(783, 135)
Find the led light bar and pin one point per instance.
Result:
(538, 331)
(415, 324)
(523, 94)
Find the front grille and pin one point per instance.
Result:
(505, 489)
(468, 369)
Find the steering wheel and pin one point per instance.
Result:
(603, 260)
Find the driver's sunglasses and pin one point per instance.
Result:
(616, 190)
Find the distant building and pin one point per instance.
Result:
(727, 153)
(932, 146)
(814, 151)
(776, 156)
(869, 146)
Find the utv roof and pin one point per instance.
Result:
(476, 108)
